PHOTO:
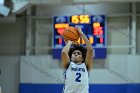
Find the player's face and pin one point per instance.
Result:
(77, 56)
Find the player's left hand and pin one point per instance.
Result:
(79, 30)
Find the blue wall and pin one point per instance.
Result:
(94, 88)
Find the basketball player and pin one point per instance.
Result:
(77, 62)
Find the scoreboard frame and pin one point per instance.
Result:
(93, 26)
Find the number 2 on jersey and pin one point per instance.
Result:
(78, 77)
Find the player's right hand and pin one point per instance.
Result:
(66, 41)
(69, 41)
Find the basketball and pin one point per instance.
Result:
(71, 33)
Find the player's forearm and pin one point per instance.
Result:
(88, 45)
(67, 47)
(82, 35)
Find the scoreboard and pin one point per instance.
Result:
(94, 27)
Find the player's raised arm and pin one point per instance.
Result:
(89, 54)
(64, 54)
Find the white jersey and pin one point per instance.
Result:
(76, 79)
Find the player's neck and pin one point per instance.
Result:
(77, 62)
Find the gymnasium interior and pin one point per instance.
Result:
(31, 42)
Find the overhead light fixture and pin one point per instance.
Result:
(5, 6)
(4, 10)
(1, 2)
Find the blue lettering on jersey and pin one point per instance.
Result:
(78, 69)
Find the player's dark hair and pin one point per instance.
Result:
(80, 48)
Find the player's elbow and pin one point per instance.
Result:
(90, 49)
(63, 52)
